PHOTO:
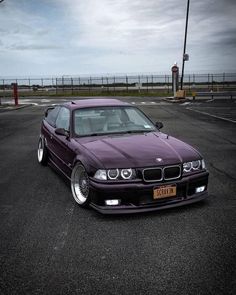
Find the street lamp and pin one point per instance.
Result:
(185, 56)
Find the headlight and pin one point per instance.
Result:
(196, 164)
(115, 174)
(187, 166)
(193, 166)
(126, 173)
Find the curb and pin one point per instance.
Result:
(173, 100)
(7, 108)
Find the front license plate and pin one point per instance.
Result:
(164, 191)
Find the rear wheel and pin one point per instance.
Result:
(80, 185)
(42, 152)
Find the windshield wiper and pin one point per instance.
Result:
(138, 131)
(119, 132)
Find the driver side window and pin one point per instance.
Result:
(63, 119)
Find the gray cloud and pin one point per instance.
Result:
(34, 47)
(118, 35)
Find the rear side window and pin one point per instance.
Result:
(63, 119)
(52, 116)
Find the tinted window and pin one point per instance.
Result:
(63, 119)
(52, 115)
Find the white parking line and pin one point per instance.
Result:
(185, 103)
(214, 116)
(210, 100)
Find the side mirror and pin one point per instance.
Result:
(159, 125)
(47, 111)
(62, 131)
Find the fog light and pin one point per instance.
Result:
(200, 189)
(112, 202)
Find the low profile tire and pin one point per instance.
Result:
(80, 185)
(42, 152)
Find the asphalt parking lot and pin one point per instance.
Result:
(48, 245)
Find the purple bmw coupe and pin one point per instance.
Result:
(117, 160)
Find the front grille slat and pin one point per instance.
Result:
(161, 173)
(172, 172)
(152, 174)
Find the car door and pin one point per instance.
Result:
(61, 145)
(48, 127)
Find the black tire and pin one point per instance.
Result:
(80, 185)
(42, 152)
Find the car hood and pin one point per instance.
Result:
(138, 150)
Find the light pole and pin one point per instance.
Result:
(185, 56)
(0, 97)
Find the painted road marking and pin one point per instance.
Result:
(45, 100)
(214, 116)
(185, 103)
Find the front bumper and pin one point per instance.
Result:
(138, 196)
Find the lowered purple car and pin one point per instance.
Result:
(117, 160)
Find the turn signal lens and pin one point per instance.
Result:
(203, 164)
(101, 175)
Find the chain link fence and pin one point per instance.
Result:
(116, 85)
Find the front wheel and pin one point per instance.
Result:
(42, 152)
(80, 185)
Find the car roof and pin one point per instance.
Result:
(94, 102)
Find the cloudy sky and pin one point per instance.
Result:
(74, 37)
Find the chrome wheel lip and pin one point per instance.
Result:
(40, 150)
(80, 184)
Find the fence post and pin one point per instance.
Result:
(72, 90)
(127, 84)
(4, 93)
(56, 86)
(223, 81)
(147, 83)
(139, 84)
(107, 84)
(189, 81)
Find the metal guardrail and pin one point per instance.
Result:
(115, 85)
(212, 94)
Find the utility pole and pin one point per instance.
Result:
(185, 56)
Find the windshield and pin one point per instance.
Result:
(109, 120)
